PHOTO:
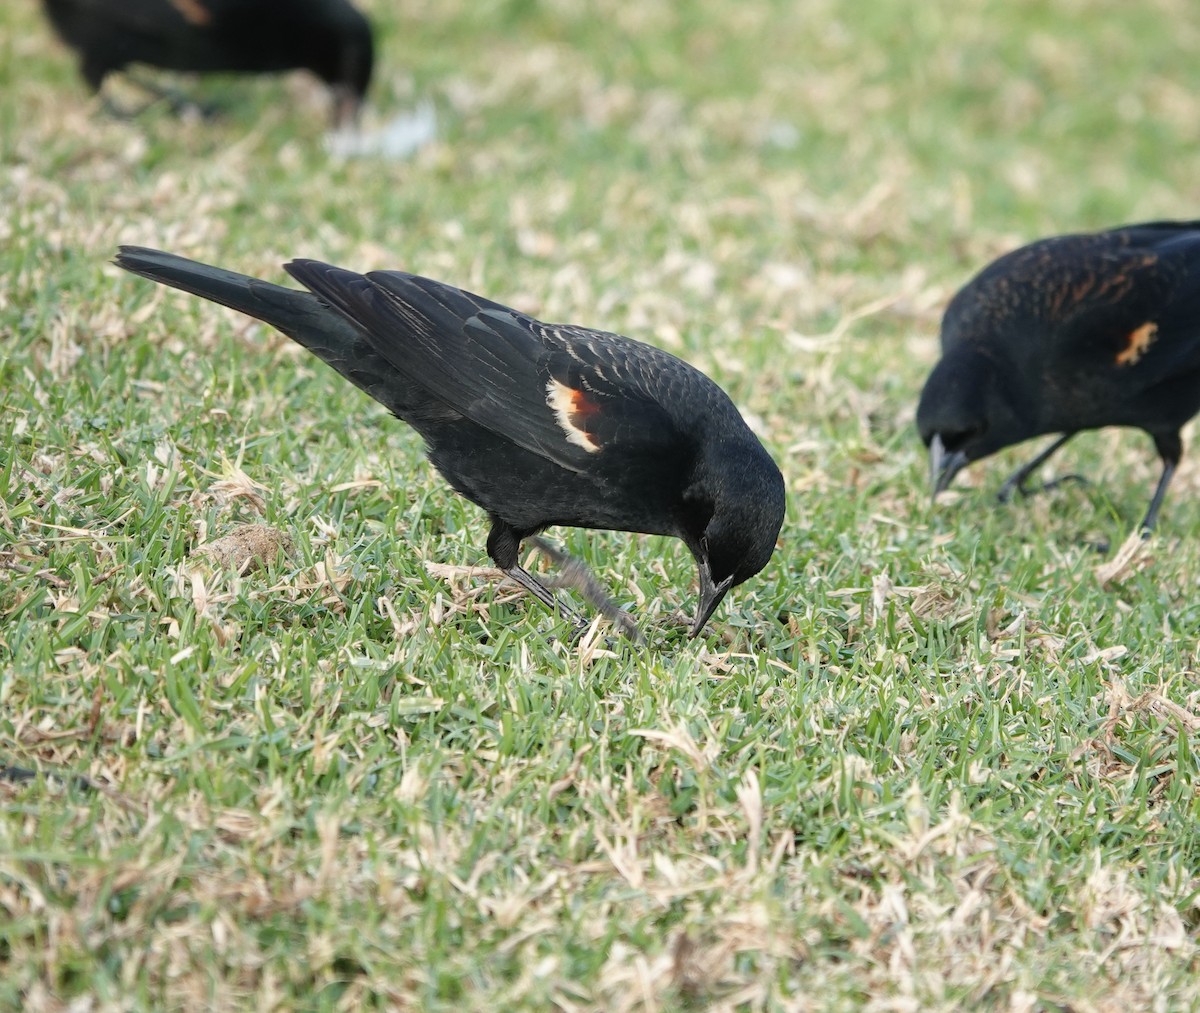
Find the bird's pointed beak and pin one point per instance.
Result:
(943, 466)
(710, 597)
(347, 107)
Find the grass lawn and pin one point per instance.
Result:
(928, 759)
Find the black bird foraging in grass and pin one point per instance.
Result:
(1070, 333)
(539, 424)
(328, 37)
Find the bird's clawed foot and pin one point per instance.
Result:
(543, 594)
(176, 101)
(1017, 483)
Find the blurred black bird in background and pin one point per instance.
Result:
(328, 37)
(1070, 333)
(539, 424)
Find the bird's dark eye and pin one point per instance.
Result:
(952, 441)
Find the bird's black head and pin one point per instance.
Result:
(972, 405)
(342, 53)
(735, 507)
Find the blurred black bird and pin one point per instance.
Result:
(328, 37)
(539, 424)
(1070, 333)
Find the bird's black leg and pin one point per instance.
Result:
(179, 103)
(502, 546)
(1016, 481)
(574, 573)
(543, 594)
(1171, 449)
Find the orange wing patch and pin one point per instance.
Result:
(1139, 339)
(572, 408)
(193, 11)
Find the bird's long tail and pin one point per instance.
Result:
(302, 316)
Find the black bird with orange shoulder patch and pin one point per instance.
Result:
(331, 38)
(539, 424)
(1070, 333)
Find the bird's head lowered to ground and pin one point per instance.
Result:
(739, 506)
(968, 410)
(346, 63)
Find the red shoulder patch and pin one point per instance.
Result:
(572, 408)
(1140, 339)
(194, 12)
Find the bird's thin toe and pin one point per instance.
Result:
(1074, 478)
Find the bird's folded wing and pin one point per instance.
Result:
(563, 393)
(1143, 318)
(149, 18)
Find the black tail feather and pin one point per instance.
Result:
(302, 316)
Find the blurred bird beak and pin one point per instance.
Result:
(346, 107)
(710, 597)
(943, 466)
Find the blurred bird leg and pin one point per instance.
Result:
(1160, 491)
(1016, 481)
(178, 102)
(574, 574)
